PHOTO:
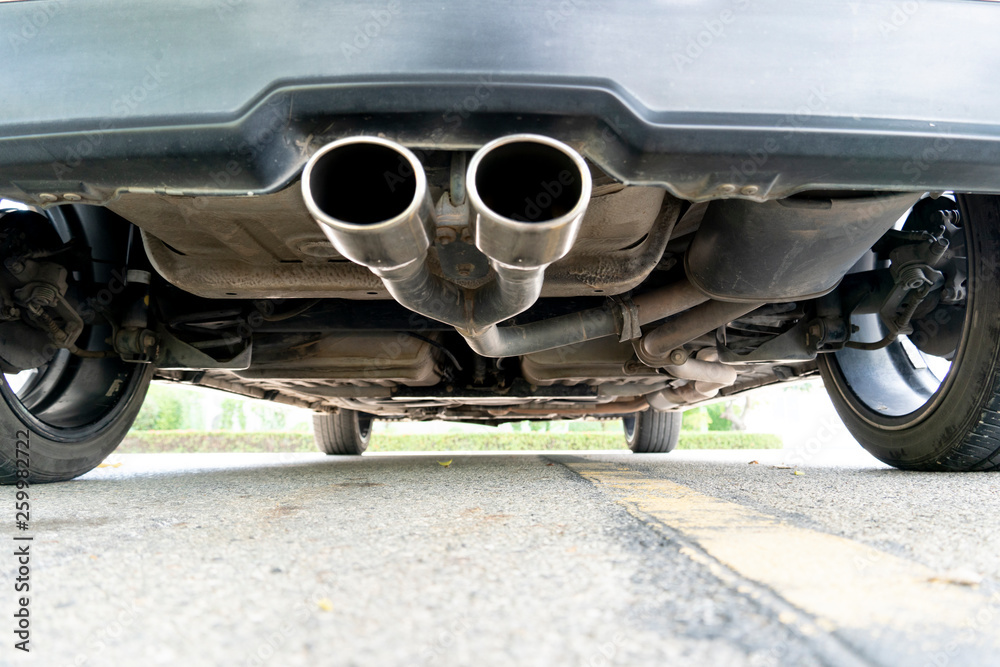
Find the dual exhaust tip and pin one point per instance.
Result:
(528, 196)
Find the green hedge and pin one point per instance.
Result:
(227, 441)
(729, 440)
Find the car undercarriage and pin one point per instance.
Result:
(371, 236)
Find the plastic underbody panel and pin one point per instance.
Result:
(194, 121)
(729, 98)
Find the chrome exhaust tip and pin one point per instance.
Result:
(370, 197)
(529, 194)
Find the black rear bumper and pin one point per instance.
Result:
(753, 98)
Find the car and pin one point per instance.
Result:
(491, 212)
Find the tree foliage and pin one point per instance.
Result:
(161, 411)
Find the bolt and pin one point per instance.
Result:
(72, 196)
(446, 235)
(727, 188)
(14, 265)
(148, 339)
(678, 357)
(750, 190)
(48, 197)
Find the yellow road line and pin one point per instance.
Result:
(843, 583)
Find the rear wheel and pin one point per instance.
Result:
(652, 432)
(344, 433)
(931, 400)
(62, 414)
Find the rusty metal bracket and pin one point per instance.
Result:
(629, 312)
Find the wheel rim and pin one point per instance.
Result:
(69, 398)
(629, 424)
(365, 426)
(899, 386)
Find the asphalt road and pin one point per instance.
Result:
(691, 558)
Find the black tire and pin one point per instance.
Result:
(652, 432)
(345, 433)
(72, 412)
(956, 427)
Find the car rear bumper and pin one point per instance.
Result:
(754, 98)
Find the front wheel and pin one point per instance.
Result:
(344, 433)
(931, 400)
(652, 432)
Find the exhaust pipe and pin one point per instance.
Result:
(370, 197)
(528, 194)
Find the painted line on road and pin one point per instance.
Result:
(843, 584)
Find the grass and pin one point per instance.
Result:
(157, 442)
